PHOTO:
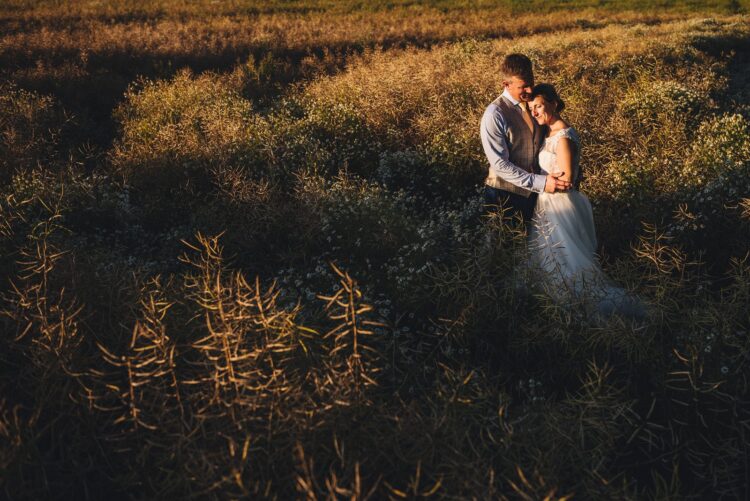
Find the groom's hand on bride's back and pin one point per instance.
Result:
(554, 183)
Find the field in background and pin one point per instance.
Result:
(87, 53)
(242, 253)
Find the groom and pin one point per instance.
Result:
(511, 139)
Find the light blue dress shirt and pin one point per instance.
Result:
(493, 132)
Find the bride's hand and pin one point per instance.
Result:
(554, 183)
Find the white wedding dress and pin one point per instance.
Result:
(562, 242)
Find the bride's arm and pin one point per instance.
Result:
(564, 154)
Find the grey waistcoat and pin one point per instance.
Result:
(523, 147)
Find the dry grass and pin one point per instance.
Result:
(88, 59)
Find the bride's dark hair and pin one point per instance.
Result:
(548, 92)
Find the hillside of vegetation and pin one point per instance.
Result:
(242, 253)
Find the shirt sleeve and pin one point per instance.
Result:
(492, 131)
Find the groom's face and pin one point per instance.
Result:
(519, 87)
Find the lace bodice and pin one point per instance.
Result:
(548, 156)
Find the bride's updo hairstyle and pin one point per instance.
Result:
(549, 94)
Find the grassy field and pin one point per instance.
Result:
(242, 253)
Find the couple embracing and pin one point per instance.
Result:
(533, 175)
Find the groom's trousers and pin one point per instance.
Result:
(512, 204)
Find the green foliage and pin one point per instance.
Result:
(338, 136)
(186, 121)
(651, 104)
(30, 126)
(713, 182)
(721, 147)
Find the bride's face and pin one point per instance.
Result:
(541, 110)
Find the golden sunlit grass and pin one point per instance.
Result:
(63, 53)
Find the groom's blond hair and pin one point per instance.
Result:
(517, 65)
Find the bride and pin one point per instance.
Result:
(562, 236)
